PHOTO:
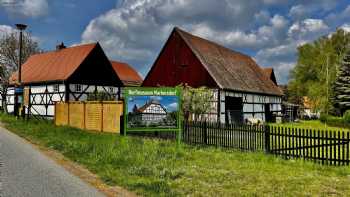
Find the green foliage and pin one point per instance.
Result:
(160, 168)
(100, 96)
(316, 69)
(333, 124)
(334, 121)
(341, 87)
(196, 101)
(324, 117)
(346, 117)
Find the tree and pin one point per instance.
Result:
(196, 101)
(315, 72)
(341, 87)
(9, 58)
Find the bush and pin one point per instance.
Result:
(324, 117)
(333, 120)
(346, 117)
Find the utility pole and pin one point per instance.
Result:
(327, 84)
(19, 89)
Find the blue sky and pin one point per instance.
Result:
(134, 31)
(169, 102)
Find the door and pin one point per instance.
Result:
(268, 113)
(233, 110)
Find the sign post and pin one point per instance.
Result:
(152, 109)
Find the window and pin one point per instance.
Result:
(78, 88)
(56, 88)
(111, 90)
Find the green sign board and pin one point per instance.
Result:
(152, 109)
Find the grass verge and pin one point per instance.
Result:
(311, 124)
(160, 168)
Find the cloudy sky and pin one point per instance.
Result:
(134, 31)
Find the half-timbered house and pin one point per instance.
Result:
(151, 112)
(67, 74)
(241, 89)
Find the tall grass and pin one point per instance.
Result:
(161, 168)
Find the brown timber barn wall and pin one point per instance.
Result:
(177, 64)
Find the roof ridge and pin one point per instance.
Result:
(210, 41)
(71, 47)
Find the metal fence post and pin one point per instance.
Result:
(267, 139)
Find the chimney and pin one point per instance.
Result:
(60, 46)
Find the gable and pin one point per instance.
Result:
(96, 69)
(177, 64)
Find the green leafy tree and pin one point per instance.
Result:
(9, 57)
(196, 101)
(316, 69)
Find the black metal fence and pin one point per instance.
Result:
(324, 147)
(243, 137)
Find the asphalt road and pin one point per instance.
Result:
(24, 171)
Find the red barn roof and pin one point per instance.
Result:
(229, 69)
(126, 74)
(53, 66)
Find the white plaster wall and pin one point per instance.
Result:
(10, 99)
(251, 102)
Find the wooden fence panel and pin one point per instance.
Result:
(97, 116)
(93, 116)
(76, 115)
(61, 117)
(111, 118)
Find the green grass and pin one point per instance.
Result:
(160, 168)
(311, 124)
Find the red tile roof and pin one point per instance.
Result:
(230, 69)
(53, 66)
(126, 74)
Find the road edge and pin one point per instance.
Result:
(76, 169)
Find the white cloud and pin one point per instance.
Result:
(346, 27)
(308, 29)
(26, 8)
(280, 53)
(5, 29)
(299, 12)
(135, 30)
(172, 107)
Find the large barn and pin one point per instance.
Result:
(70, 74)
(240, 87)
